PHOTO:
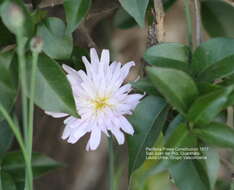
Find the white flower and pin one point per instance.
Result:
(100, 99)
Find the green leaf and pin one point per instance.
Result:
(217, 18)
(53, 91)
(75, 11)
(206, 87)
(28, 26)
(218, 70)
(207, 107)
(189, 176)
(211, 52)
(145, 85)
(137, 9)
(180, 94)
(6, 137)
(217, 134)
(173, 126)
(212, 166)
(180, 137)
(6, 181)
(166, 52)
(123, 20)
(148, 120)
(7, 83)
(13, 163)
(57, 44)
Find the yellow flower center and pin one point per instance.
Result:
(100, 103)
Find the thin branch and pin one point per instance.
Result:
(231, 2)
(198, 22)
(86, 35)
(156, 29)
(159, 17)
(189, 25)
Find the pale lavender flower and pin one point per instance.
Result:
(101, 100)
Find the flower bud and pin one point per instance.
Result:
(16, 16)
(36, 44)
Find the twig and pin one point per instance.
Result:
(160, 15)
(86, 35)
(198, 22)
(156, 30)
(189, 22)
(231, 2)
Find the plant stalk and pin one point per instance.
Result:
(189, 22)
(111, 163)
(19, 138)
(31, 102)
(21, 41)
(198, 22)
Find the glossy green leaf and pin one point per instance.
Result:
(217, 18)
(212, 165)
(7, 83)
(6, 181)
(123, 20)
(173, 126)
(148, 120)
(6, 137)
(228, 81)
(206, 87)
(189, 176)
(211, 52)
(145, 85)
(221, 69)
(13, 163)
(136, 8)
(166, 52)
(217, 134)
(7, 18)
(180, 94)
(75, 11)
(180, 137)
(6, 58)
(53, 91)
(207, 107)
(143, 179)
(57, 44)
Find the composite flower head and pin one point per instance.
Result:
(102, 101)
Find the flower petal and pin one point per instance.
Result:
(118, 135)
(105, 57)
(95, 138)
(56, 115)
(126, 126)
(94, 56)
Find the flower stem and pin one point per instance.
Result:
(19, 138)
(22, 72)
(111, 163)
(21, 41)
(189, 22)
(31, 102)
